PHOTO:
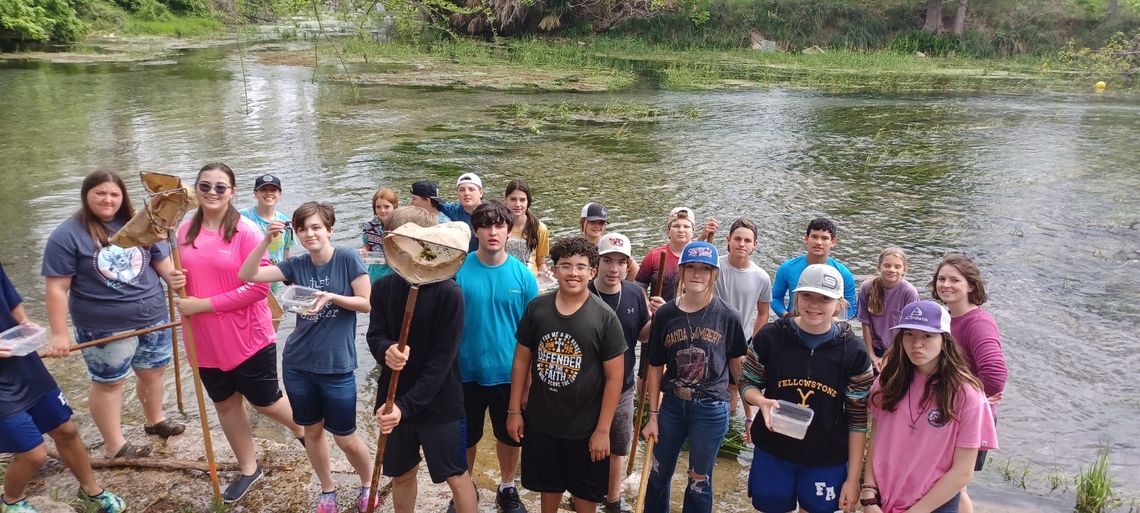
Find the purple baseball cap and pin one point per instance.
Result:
(925, 316)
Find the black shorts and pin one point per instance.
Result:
(255, 378)
(478, 399)
(444, 446)
(554, 465)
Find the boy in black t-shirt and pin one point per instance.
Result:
(572, 346)
(428, 412)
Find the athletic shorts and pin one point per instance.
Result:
(951, 505)
(778, 485)
(323, 397)
(25, 430)
(110, 363)
(478, 399)
(444, 446)
(554, 465)
(255, 378)
(621, 429)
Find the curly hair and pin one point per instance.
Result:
(574, 245)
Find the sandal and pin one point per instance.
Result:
(130, 451)
(165, 428)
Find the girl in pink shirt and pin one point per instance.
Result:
(930, 419)
(230, 320)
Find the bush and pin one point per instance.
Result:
(39, 20)
(935, 45)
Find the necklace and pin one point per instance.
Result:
(692, 332)
(910, 412)
(617, 305)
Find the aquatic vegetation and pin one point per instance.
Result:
(1094, 487)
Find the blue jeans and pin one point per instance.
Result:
(703, 422)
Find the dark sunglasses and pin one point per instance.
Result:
(219, 188)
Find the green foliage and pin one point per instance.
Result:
(1094, 487)
(1119, 57)
(39, 20)
(190, 26)
(935, 45)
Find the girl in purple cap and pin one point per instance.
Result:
(931, 418)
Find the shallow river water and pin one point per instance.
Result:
(1041, 189)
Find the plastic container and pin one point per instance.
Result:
(24, 339)
(791, 419)
(298, 299)
(546, 283)
(373, 258)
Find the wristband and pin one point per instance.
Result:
(747, 421)
(866, 486)
(653, 412)
(509, 412)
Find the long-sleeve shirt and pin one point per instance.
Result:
(240, 324)
(429, 391)
(978, 336)
(788, 276)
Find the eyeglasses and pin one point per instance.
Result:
(219, 188)
(571, 268)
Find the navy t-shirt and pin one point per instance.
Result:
(324, 343)
(23, 379)
(631, 309)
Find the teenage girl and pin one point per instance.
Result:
(319, 358)
(959, 285)
(384, 201)
(529, 241)
(931, 418)
(880, 301)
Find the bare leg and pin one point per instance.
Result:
(549, 502)
(584, 506)
(508, 460)
(404, 491)
(150, 391)
(471, 460)
(463, 493)
(235, 425)
(106, 403)
(358, 456)
(74, 455)
(20, 472)
(281, 412)
(318, 453)
(617, 474)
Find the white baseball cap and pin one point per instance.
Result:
(471, 178)
(821, 279)
(614, 242)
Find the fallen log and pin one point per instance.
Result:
(170, 464)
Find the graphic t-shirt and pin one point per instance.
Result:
(23, 379)
(632, 311)
(893, 300)
(516, 246)
(908, 462)
(495, 298)
(283, 241)
(112, 288)
(567, 378)
(647, 273)
(324, 343)
(742, 289)
(372, 235)
(695, 347)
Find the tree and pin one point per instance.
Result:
(960, 17)
(933, 17)
(1113, 8)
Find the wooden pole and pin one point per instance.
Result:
(390, 401)
(121, 336)
(636, 426)
(646, 468)
(192, 354)
(174, 348)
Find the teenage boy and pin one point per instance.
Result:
(496, 290)
(570, 345)
(267, 190)
(627, 300)
(593, 225)
(426, 413)
(425, 194)
(32, 405)
(679, 230)
(469, 192)
(820, 239)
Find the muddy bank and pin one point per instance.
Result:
(112, 49)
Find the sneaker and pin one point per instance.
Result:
(326, 503)
(509, 502)
(103, 502)
(240, 486)
(362, 500)
(618, 506)
(21, 506)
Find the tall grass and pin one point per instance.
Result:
(1094, 487)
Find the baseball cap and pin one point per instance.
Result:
(264, 180)
(614, 243)
(593, 212)
(471, 178)
(699, 252)
(925, 316)
(821, 279)
(427, 189)
(676, 211)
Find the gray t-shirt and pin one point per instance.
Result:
(742, 289)
(567, 377)
(112, 288)
(324, 343)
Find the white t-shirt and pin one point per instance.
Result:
(742, 289)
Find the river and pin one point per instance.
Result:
(1040, 188)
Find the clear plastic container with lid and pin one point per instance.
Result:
(791, 419)
(298, 299)
(373, 257)
(24, 339)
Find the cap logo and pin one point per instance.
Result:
(267, 178)
(700, 251)
(616, 241)
(829, 282)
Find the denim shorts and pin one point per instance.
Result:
(322, 397)
(112, 362)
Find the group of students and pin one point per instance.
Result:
(556, 372)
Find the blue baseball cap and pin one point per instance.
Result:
(699, 252)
